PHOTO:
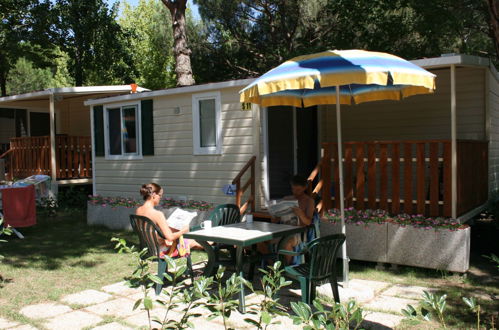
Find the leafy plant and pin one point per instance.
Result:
(4, 231)
(341, 315)
(48, 205)
(435, 304)
(475, 308)
(494, 259)
(272, 282)
(220, 302)
(143, 278)
(413, 314)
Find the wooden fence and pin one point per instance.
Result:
(31, 155)
(404, 176)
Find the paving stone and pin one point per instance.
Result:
(4, 324)
(360, 290)
(45, 310)
(120, 288)
(407, 291)
(24, 327)
(112, 326)
(74, 320)
(87, 297)
(390, 304)
(120, 307)
(377, 320)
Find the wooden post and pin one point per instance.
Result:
(53, 172)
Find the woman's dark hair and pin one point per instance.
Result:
(148, 189)
(299, 180)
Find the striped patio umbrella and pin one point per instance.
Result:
(339, 77)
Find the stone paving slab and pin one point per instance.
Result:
(45, 310)
(390, 304)
(112, 326)
(24, 327)
(406, 291)
(120, 288)
(87, 297)
(377, 320)
(4, 324)
(120, 307)
(360, 290)
(75, 320)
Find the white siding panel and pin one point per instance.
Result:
(417, 117)
(174, 166)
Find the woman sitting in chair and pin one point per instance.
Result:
(174, 245)
(303, 214)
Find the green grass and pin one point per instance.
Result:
(59, 256)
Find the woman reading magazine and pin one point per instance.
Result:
(174, 245)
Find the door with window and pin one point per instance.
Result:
(122, 138)
(292, 146)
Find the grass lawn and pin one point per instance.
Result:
(62, 255)
(59, 256)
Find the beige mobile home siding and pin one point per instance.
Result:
(408, 119)
(174, 166)
(493, 99)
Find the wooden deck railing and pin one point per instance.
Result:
(242, 188)
(406, 176)
(31, 155)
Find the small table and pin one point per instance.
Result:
(241, 235)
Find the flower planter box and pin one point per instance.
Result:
(429, 248)
(365, 242)
(118, 217)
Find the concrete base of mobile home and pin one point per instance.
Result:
(390, 243)
(119, 217)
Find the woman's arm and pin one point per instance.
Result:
(169, 234)
(305, 217)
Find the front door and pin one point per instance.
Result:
(291, 144)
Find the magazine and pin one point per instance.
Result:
(283, 208)
(180, 218)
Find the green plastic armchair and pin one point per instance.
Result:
(321, 254)
(149, 233)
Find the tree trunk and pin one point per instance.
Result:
(181, 52)
(493, 6)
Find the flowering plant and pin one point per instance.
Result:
(359, 217)
(420, 221)
(130, 202)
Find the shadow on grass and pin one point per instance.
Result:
(59, 241)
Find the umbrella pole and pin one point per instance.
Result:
(342, 193)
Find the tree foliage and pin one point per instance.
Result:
(97, 46)
(25, 31)
(149, 25)
(250, 37)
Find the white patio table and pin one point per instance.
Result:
(240, 235)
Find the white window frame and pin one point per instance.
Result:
(106, 131)
(196, 134)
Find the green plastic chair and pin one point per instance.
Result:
(322, 255)
(149, 233)
(225, 214)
